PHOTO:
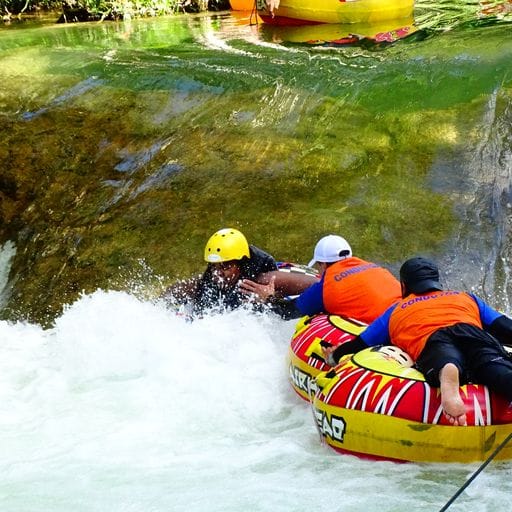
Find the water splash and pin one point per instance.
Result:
(481, 180)
(123, 405)
(7, 253)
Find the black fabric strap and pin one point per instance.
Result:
(501, 329)
(350, 347)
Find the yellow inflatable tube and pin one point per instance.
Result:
(376, 436)
(375, 405)
(295, 12)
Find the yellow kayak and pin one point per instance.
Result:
(242, 5)
(297, 12)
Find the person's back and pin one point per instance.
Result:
(359, 289)
(349, 287)
(417, 316)
(454, 337)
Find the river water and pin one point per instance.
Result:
(121, 405)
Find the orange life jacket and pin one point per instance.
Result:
(357, 289)
(416, 317)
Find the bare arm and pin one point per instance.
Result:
(276, 287)
(181, 291)
(287, 283)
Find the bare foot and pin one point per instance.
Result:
(453, 406)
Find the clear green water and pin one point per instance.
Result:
(135, 141)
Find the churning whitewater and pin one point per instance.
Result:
(125, 406)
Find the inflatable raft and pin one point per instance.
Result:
(300, 12)
(305, 353)
(375, 405)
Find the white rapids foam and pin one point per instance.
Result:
(124, 406)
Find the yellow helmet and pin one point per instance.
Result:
(225, 245)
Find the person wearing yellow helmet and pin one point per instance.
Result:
(230, 260)
(238, 273)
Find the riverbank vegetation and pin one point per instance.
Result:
(97, 10)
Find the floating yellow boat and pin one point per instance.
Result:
(299, 12)
(375, 406)
(242, 5)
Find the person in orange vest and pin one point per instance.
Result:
(454, 337)
(348, 287)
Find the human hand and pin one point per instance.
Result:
(260, 291)
(327, 350)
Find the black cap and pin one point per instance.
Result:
(420, 275)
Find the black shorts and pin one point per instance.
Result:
(466, 346)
